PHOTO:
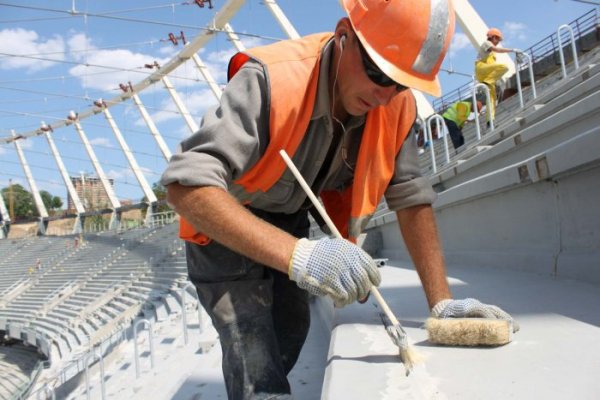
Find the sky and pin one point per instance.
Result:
(52, 62)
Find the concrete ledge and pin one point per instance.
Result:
(553, 356)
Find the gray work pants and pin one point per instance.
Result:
(262, 317)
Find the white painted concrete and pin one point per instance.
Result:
(555, 355)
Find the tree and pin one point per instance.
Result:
(161, 195)
(57, 203)
(23, 201)
(24, 205)
(52, 203)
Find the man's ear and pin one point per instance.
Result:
(342, 30)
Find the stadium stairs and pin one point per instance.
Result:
(63, 298)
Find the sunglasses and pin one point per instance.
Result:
(374, 73)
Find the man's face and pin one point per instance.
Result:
(361, 85)
(495, 40)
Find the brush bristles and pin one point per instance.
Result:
(410, 357)
(469, 331)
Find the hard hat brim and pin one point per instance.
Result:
(431, 87)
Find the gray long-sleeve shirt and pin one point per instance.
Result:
(234, 135)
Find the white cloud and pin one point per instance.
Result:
(196, 102)
(99, 77)
(514, 30)
(78, 45)
(26, 42)
(460, 41)
(118, 174)
(101, 141)
(168, 51)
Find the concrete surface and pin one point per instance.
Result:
(555, 355)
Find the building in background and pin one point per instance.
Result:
(90, 192)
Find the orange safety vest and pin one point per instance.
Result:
(293, 70)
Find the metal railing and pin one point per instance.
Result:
(23, 391)
(488, 102)
(548, 46)
(73, 368)
(90, 357)
(561, 52)
(552, 45)
(135, 345)
(531, 76)
(183, 291)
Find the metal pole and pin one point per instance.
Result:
(47, 388)
(518, 74)
(184, 316)
(560, 49)
(102, 383)
(87, 377)
(282, 20)
(440, 120)
(152, 127)
(179, 104)
(37, 198)
(431, 150)
(203, 69)
(135, 345)
(135, 168)
(488, 102)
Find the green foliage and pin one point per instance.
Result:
(22, 200)
(51, 203)
(24, 206)
(161, 195)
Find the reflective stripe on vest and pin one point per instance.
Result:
(292, 70)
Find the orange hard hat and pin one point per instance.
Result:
(494, 32)
(406, 39)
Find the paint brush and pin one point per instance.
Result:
(408, 355)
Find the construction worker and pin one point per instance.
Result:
(333, 101)
(455, 117)
(487, 70)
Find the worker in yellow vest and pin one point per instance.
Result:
(333, 102)
(488, 70)
(455, 118)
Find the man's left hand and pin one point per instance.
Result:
(470, 308)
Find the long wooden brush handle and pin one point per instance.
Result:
(333, 228)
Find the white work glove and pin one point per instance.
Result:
(518, 55)
(333, 267)
(470, 308)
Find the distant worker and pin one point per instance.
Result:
(455, 118)
(487, 70)
(334, 101)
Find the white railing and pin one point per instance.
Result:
(135, 345)
(488, 103)
(183, 291)
(531, 77)
(439, 124)
(573, 48)
(90, 357)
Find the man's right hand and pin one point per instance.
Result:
(333, 267)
